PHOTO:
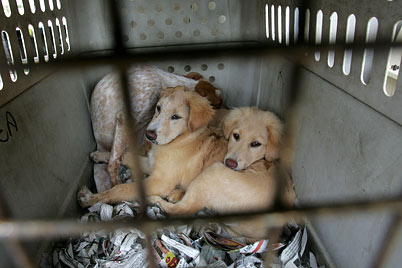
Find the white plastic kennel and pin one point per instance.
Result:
(348, 110)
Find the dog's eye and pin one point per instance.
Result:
(175, 117)
(255, 144)
(236, 136)
(158, 108)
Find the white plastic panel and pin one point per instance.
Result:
(21, 22)
(345, 151)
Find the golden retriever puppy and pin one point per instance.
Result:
(183, 146)
(145, 83)
(104, 157)
(248, 179)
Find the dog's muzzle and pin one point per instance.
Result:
(231, 163)
(151, 135)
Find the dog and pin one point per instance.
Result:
(182, 146)
(247, 178)
(145, 84)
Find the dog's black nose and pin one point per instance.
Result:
(231, 163)
(151, 135)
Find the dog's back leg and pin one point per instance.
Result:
(118, 148)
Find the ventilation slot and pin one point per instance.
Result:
(42, 5)
(20, 6)
(296, 26)
(280, 24)
(54, 50)
(51, 5)
(287, 25)
(273, 22)
(266, 21)
(350, 37)
(1, 83)
(66, 33)
(60, 36)
(21, 44)
(58, 4)
(307, 26)
(318, 34)
(13, 75)
(393, 62)
(23, 52)
(32, 36)
(368, 56)
(6, 7)
(333, 27)
(32, 6)
(7, 47)
(44, 43)
(9, 54)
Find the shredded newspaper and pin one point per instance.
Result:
(183, 246)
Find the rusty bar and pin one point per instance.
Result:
(15, 249)
(287, 146)
(30, 229)
(140, 53)
(137, 174)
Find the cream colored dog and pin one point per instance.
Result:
(183, 146)
(248, 180)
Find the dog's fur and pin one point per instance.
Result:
(185, 147)
(103, 157)
(225, 190)
(145, 84)
(250, 186)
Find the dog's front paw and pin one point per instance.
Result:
(84, 197)
(154, 209)
(100, 157)
(154, 199)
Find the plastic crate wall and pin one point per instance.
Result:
(348, 144)
(31, 32)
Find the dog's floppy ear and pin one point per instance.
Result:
(206, 89)
(274, 127)
(201, 112)
(230, 121)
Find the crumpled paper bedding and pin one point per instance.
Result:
(182, 246)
